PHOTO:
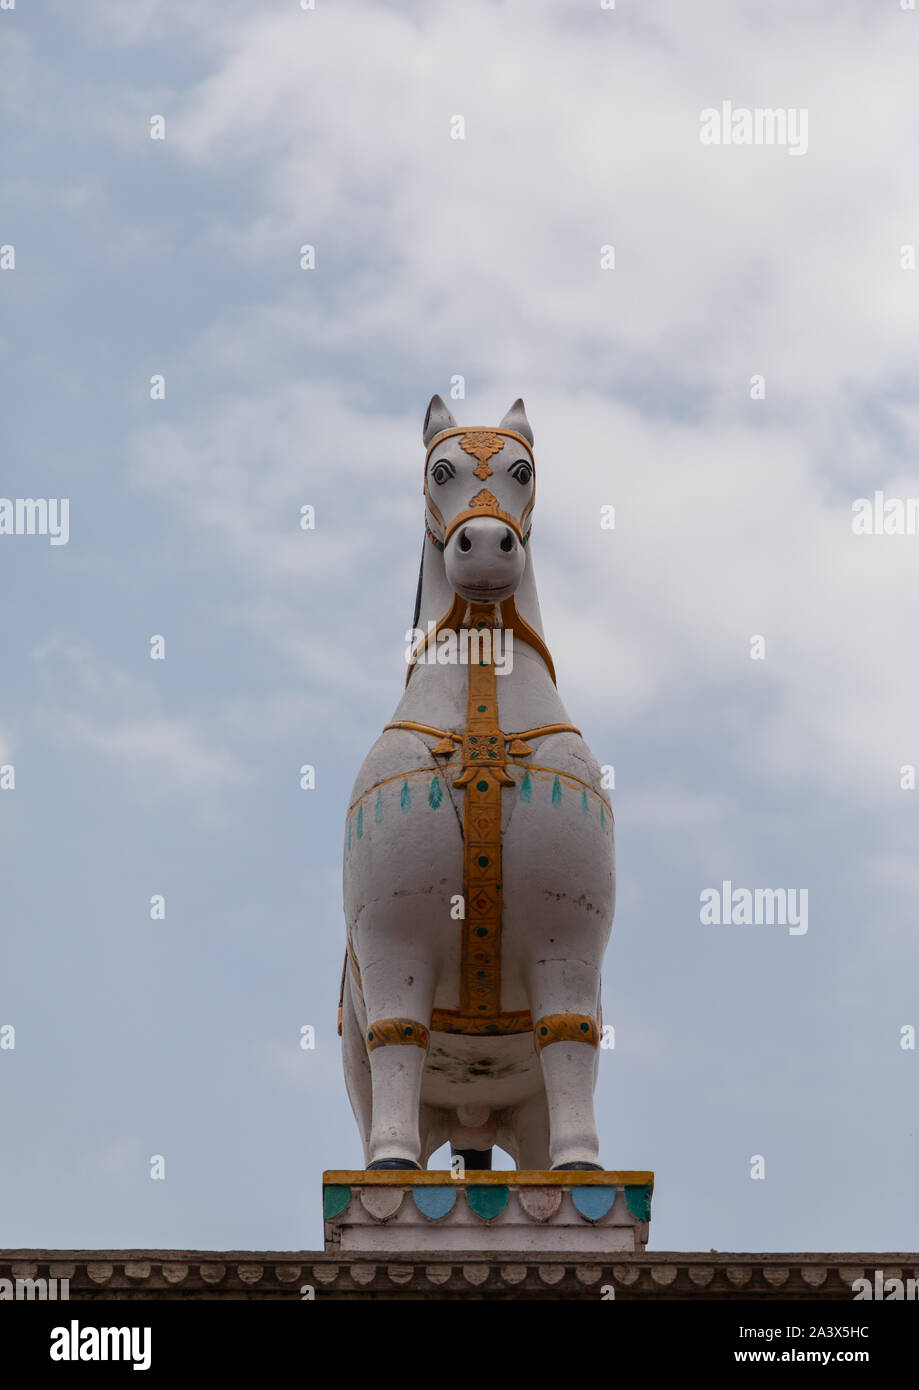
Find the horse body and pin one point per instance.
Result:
(480, 911)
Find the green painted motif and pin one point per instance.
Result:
(435, 795)
(360, 821)
(334, 1201)
(638, 1201)
(556, 792)
(405, 798)
(378, 808)
(487, 1201)
(584, 807)
(526, 788)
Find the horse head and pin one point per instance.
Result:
(479, 487)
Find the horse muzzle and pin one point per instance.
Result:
(484, 559)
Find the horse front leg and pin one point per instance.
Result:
(398, 994)
(564, 995)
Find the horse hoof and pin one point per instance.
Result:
(578, 1168)
(475, 1160)
(393, 1163)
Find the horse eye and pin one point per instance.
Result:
(441, 472)
(523, 473)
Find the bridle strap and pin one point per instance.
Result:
(510, 617)
(450, 620)
(513, 622)
(485, 510)
(476, 429)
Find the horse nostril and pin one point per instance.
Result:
(464, 542)
(508, 542)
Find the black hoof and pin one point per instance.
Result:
(393, 1163)
(578, 1168)
(474, 1160)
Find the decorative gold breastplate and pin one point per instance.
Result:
(485, 753)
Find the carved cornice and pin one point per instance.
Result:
(251, 1274)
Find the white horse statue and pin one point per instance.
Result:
(479, 872)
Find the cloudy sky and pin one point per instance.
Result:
(746, 371)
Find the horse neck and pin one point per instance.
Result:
(437, 594)
(437, 694)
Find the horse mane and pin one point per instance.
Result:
(418, 594)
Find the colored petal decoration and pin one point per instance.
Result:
(435, 795)
(378, 808)
(360, 820)
(638, 1201)
(486, 1201)
(526, 788)
(556, 792)
(382, 1202)
(593, 1202)
(334, 1201)
(585, 809)
(405, 798)
(540, 1203)
(434, 1202)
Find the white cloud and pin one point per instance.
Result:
(481, 257)
(93, 705)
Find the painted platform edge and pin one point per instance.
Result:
(178, 1275)
(443, 1177)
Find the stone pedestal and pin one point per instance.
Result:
(399, 1211)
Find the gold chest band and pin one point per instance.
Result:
(482, 777)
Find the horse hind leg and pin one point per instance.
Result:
(435, 1130)
(523, 1132)
(472, 1136)
(475, 1160)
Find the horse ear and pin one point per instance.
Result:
(516, 419)
(438, 418)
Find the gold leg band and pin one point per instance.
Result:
(565, 1028)
(405, 1031)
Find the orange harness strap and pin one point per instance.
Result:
(515, 743)
(511, 619)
